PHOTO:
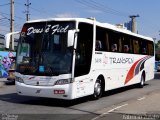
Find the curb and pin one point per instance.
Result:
(2, 82)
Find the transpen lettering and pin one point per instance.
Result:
(114, 60)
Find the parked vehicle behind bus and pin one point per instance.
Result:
(157, 66)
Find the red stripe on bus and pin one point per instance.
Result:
(130, 74)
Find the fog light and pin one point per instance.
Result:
(18, 79)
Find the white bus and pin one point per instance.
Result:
(68, 58)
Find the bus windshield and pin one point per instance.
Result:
(43, 50)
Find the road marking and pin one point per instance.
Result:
(117, 108)
(97, 117)
(142, 98)
(109, 111)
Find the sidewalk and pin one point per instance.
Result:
(2, 81)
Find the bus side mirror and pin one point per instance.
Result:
(8, 39)
(71, 37)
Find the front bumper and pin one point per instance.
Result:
(57, 91)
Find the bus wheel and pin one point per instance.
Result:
(142, 82)
(97, 89)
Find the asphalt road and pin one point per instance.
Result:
(109, 106)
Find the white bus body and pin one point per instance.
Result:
(93, 67)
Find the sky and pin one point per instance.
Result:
(106, 11)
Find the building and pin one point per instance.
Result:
(128, 25)
(2, 39)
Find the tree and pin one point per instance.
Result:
(157, 51)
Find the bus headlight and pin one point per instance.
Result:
(63, 81)
(18, 79)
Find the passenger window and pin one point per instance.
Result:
(114, 48)
(143, 47)
(144, 50)
(114, 41)
(136, 46)
(102, 41)
(151, 48)
(98, 45)
(126, 48)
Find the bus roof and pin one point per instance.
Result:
(91, 21)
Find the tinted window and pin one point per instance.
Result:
(84, 49)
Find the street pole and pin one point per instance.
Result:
(27, 10)
(12, 22)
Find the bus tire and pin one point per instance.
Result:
(97, 89)
(142, 82)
